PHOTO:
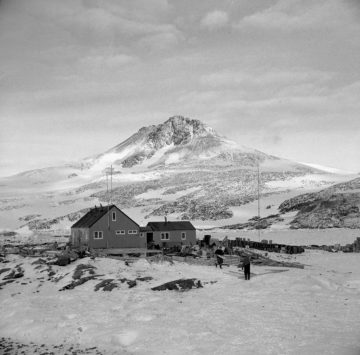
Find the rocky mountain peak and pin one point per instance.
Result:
(175, 132)
(179, 130)
(178, 140)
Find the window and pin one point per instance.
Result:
(132, 231)
(141, 235)
(113, 216)
(183, 235)
(165, 236)
(98, 235)
(120, 232)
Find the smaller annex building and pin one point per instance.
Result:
(107, 227)
(168, 234)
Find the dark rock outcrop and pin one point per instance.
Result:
(179, 285)
(15, 273)
(81, 269)
(78, 282)
(256, 223)
(106, 285)
(334, 207)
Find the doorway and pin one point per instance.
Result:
(149, 237)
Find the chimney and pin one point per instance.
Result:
(165, 219)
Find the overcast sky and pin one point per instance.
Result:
(79, 76)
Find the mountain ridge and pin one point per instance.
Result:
(181, 167)
(177, 139)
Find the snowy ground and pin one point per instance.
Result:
(298, 311)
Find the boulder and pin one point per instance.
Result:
(62, 260)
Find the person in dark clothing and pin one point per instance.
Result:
(246, 267)
(219, 257)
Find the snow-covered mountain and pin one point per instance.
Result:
(182, 168)
(177, 142)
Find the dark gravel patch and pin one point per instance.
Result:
(9, 346)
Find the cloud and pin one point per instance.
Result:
(160, 41)
(215, 20)
(89, 22)
(109, 61)
(265, 79)
(102, 24)
(291, 67)
(323, 108)
(292, 15)
(272, 138)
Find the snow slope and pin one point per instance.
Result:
(310, 311)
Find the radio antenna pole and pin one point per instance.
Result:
(111, 170)
(258, 185)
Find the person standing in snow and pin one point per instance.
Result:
(219, 257)
(246, 267)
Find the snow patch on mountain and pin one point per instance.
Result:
(329, 169)
(308, 181)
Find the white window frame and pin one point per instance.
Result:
(132, 231)
(164, 236)
(120, 232)
(113, 216)
(98, 235)
(183, 235)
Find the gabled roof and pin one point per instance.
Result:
(94, 215)
(171, 226)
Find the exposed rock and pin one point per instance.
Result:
(8, 234)
(29, 217)
(47, 224)
(134, 160)
(10, 346)
(131, 283)
(334, 207)
(145, 278)
(78, 282)
(5, 283)
(81, 269)
(4, 270)
(15, 274)
(62, 260)
(256, 223)
(106, 285)
(179, 285)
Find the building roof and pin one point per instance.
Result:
(171, 226)
(94, 215)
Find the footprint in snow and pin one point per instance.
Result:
(143, 317)
(124, 338)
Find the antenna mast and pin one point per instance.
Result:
(107, 196)
(107, 186)
(111, 170)
(258, 183)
